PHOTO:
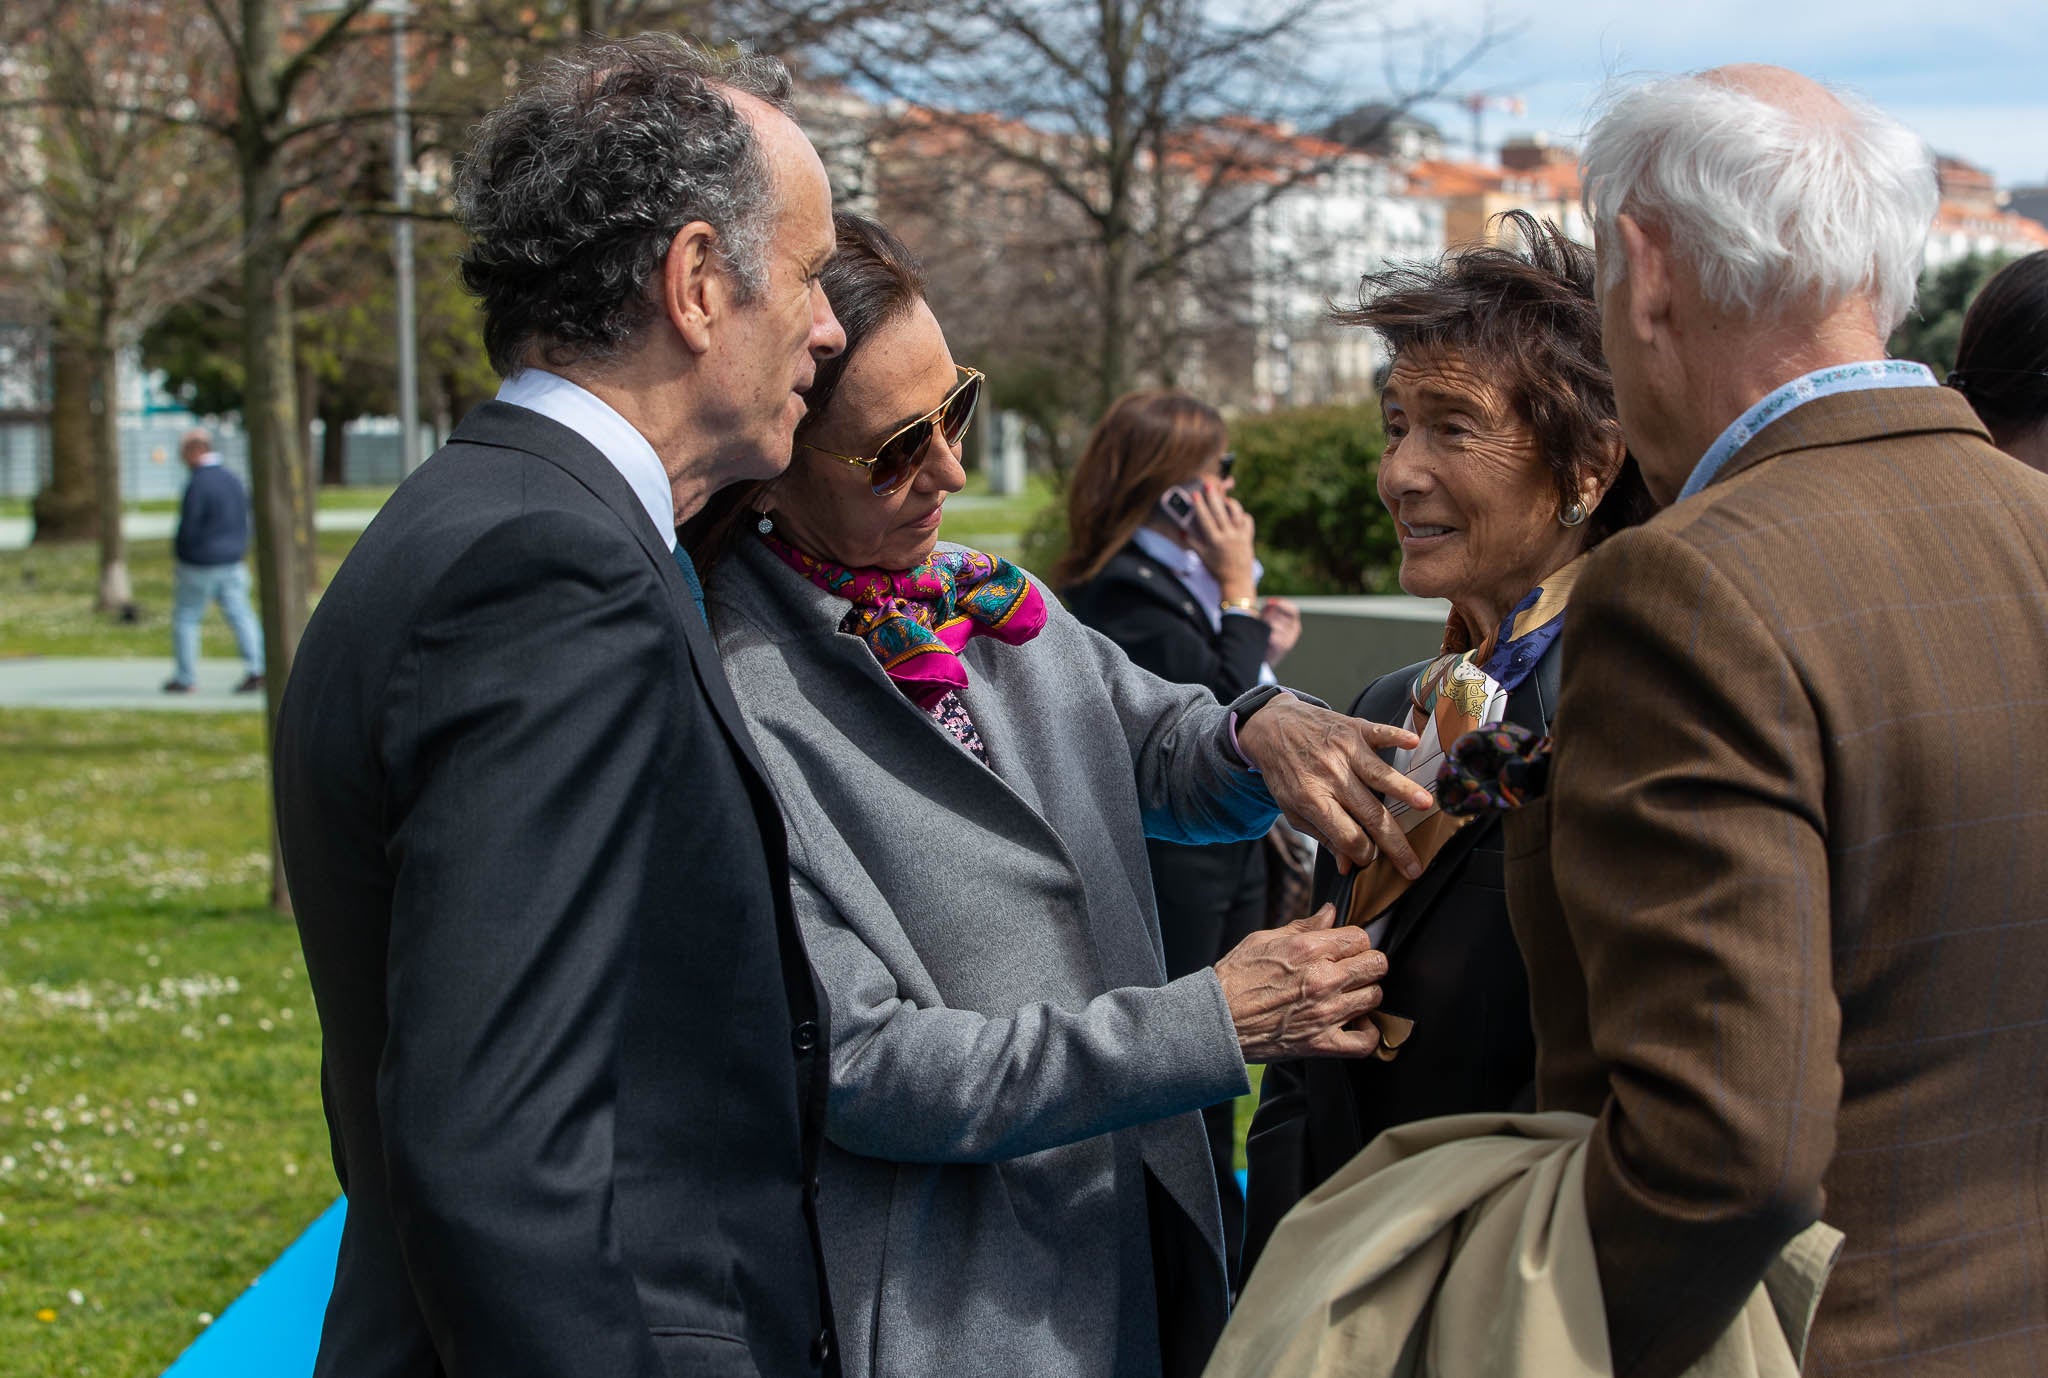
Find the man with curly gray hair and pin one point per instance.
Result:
(571, 1044)
(1786, 903)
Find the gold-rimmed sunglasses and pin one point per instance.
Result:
(898, 457)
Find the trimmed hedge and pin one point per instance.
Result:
(1308, 478)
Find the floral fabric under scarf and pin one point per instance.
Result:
(916, 621)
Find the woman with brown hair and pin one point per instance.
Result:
(1013, 1179)
(1504, 465)
(1159, 559)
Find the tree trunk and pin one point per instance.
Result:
(334, 450)
(277, 479)
(67, 508)
(306, 399)
(116, 595)
(1114, 365)
(1115, 36)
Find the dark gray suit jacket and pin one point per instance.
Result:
(570, 1033)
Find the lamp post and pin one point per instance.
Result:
(401, 245)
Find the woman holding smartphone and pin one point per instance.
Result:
(1160, 560)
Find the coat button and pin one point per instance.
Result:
(821, 1347)
(804, 1037)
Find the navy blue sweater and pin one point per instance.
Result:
(213, 521)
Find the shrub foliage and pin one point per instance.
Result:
(1308, 478)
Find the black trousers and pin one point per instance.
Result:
(1210, 899)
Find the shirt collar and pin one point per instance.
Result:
(591, 417)
(1183, 562)
(1824, 382)
(1194, 576)
(211, 459)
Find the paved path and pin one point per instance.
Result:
(159, 526)
(61, 682)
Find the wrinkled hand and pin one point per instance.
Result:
(1283, 627)
(1294, 991)
(1323, 772)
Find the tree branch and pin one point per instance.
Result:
(302, 62)
(371, 115)
(320, 220)
(224, 129)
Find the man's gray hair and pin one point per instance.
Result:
(1770, 208)
(574, 188)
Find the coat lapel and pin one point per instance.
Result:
(788, 606)
(509, 427)
(1161, 584)
(1526, 707)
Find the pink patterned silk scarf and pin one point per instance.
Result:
(916, 621)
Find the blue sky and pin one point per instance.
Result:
(1971, 76)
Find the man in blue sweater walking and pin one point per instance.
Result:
(213, 536)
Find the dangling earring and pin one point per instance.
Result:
(765, 525)
(1573, 515)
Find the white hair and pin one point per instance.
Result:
(1770, 208)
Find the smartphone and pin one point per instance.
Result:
(1179, 506)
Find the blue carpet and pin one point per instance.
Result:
(273, 1329)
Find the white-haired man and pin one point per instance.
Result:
(1787, 936)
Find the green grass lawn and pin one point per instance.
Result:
(46, 596)
(331, 498)
(161, 1138)
(993, 524)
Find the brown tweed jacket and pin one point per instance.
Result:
(1785, 907)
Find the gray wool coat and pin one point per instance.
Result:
(1012, 1123)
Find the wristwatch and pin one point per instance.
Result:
(1241, 712)
(1240, 605)
(1252, 700)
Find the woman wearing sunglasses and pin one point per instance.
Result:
(968, 775)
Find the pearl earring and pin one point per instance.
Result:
(765, 525)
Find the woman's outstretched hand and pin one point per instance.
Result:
(1323, 770)
(1294, 991)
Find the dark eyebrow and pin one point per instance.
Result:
(899, 424)
(1442, 396)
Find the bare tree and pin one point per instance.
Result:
(132, 214)
(289, 119)
(1123, 110)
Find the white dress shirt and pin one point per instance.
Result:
(591, 417)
